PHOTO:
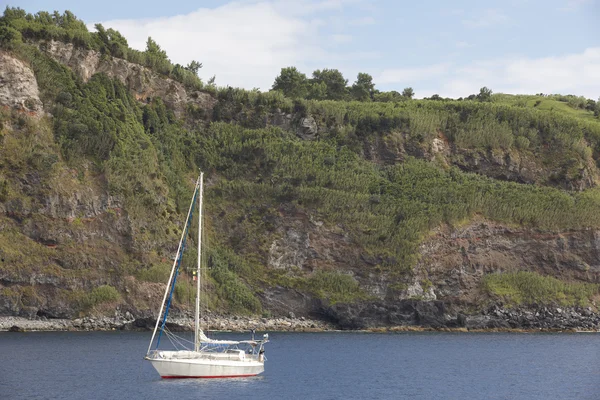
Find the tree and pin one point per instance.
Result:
(154, 49)
(13, 13)
(194, 66)
(384, 97)
(590, 105)
(113, 41)
(364, 88)
(156, 57)
(335, 82)
(317, 91)
(485, 94)
(9, 36)
(292, 83)
(408, 93)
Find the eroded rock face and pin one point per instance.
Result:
(308, 128)
(280, 119)
(455, 260)
(144, 83)
(505, 165)
(18, 86)
(290, 251)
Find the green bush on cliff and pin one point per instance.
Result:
(158, 273)
(335, 287)
(99, 295)
(531, 288)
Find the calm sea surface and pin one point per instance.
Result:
(313, 366)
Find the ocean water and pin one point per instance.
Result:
(334, 365)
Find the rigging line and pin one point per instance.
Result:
(176, 340)
(179, 338)
(169, 337)
(173, 338)
(188, 223)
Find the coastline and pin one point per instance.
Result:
(224, 324)
(235, 324)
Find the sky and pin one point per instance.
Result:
(450, 48)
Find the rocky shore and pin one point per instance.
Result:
(128, 322)
(541, 318)
(496, 318)
(435, 315)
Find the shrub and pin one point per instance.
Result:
(99, 295)
(534, 289)
(158, 273)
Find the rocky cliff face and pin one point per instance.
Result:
(141, 81)
(506, 165)
(84, 234)
(455, 260)
(18, 87)
(446, 287)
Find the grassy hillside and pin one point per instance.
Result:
(142, 155)
(574, 106)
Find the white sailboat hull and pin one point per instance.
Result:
(206, 367)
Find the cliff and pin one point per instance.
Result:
(364, 215)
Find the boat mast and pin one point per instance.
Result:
(197, 326)
(162, 306)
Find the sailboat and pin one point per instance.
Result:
(205, 357)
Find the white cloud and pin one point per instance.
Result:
(243, 43)
(577, 73)
(487, 18)
(462, 44)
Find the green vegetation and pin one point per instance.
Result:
(16, 26)
(158, 273)
(530, 288)
(574, 106)
(335, 287)
(147, 158)
(99, 295)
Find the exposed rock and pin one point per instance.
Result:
(144, 83)
(18, 86)
(307, 128)
(290, 251)
(16, 328)
(457, 259)
(416, 291)
(376, 314)
(178, 323)
(280, 119)
(439, 146)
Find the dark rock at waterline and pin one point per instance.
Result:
(139, 324)
(16, 328)
(148, 324)
(376, 314)
(438, 315)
